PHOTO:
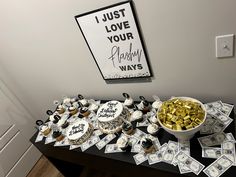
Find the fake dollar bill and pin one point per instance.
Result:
(228, 149)
(212, 140)
(211, 152)
(105, 141)
(189, 162)
(218, 167)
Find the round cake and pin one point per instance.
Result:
(111, 116)
(79, 132)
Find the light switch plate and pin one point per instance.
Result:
(224, 46)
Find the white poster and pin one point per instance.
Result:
(114, 40)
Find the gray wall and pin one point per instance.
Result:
(44, 56)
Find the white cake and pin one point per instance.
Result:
(79, 132)
(111, 116)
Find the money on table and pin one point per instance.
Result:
(218, 167)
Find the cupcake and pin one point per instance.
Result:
(60, 109)
(67, 102)
(45, 130)
(153, 119)
(152, 129)
(156, 104)
(123, 143)
(128, 101)
(137, 116)
(73, 110)
(56, 119)
(63, 122)
(93, 107)
(127, 128)
(49, 112)
(58, 135)
(147, 145)
(145, 107)
(84, 111)
(83, 101)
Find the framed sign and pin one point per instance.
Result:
(114, 40)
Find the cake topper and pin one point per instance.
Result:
(80, 97)
(142, 98)
(80, 105)
(145, 103)
(56, 102)
(135, 107)
(49, 112)
(156, 98)
(126, 95)
(39, 124)
(56, 119)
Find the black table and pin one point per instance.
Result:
(71, 162)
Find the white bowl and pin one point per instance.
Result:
(185, 134)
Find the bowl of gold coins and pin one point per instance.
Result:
(182, 116)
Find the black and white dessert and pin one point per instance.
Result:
(83, 101)
(128, 101)
(127, 128)
(137, 115)
(79, 132)
(143, 105)
(111, 116)
(147, 145)
(123, 143)
(152, 129)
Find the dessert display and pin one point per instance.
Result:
(147, 145)
(79, 132)
(123, 143)
(127, 128)
(181, 114)
(128, 101)
(152, 129)
(111, 116)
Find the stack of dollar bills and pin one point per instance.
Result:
(218, 145)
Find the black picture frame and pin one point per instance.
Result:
(141, 52)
